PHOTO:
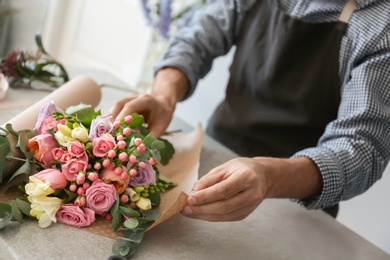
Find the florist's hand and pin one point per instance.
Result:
(169, 87)
(229, 192)
(157, 110)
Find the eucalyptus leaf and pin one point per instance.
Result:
(24, 207)
(22, 144)
(16, 213)
(5, 214)
(158, 145)
(152, 214)
(124, 248)
(149, 139)
(156, 155)
(116, 215)
(134, 235)
(127, 211)
(24, 169)
(131, 223)
(5, 148)
(11, 130)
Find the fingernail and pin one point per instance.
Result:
(191, 201)
(187, 210)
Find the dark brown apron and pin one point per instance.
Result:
(284, 85)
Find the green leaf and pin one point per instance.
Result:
(5, 214)
(127, 211)
(134, 235)
(24, 207)
(149, 139)
(155, 198)
(165, 180)
(38, 41)
(5, 148)
(124, 248)
(11, 130)
(138, 121)
(151, 215)
(131, 223)
(156, 155)
(16, 213)
(167, 152)
(116, 215)
(24, 169)
(85, 113)
(158, 145)
(71, 196)
(22, 144)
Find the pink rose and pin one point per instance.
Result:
(53, 176)
(76, 149)
(73, 215)
(101, 196)
(50, 123)
(145, 176)
(72, 168)
(103, 144)
(58, 153)
(108, 176)
(42, 146)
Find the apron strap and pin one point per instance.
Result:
(347, 11)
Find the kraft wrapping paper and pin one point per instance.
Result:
(182, 169)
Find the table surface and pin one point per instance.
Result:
(277, 229)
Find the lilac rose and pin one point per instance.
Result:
(45, 112)
(145, 175)
(100, 125)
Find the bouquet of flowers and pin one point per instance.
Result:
(167, 16)
(23, 69)
(82, 166)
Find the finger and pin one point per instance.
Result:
(211, 178)
(118, 106)
(235, 215)
(217, 188)
(226, 206)
(140, 105)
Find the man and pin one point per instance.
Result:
(308, 92)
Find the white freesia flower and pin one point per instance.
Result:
(80, 133)
(62, 139)
(132, 194)
(44, 208)
(144, 203)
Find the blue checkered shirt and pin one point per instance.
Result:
(355, 148)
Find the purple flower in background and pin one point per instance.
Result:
(165, 18)
(145, 175)
(168, 16)
(146, 10)
(99, 126)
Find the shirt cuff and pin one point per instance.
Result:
(333, 181)
(181, 65)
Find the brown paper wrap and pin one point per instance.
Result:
(79, 90)
(182, 169)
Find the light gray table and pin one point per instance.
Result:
(277, 229)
